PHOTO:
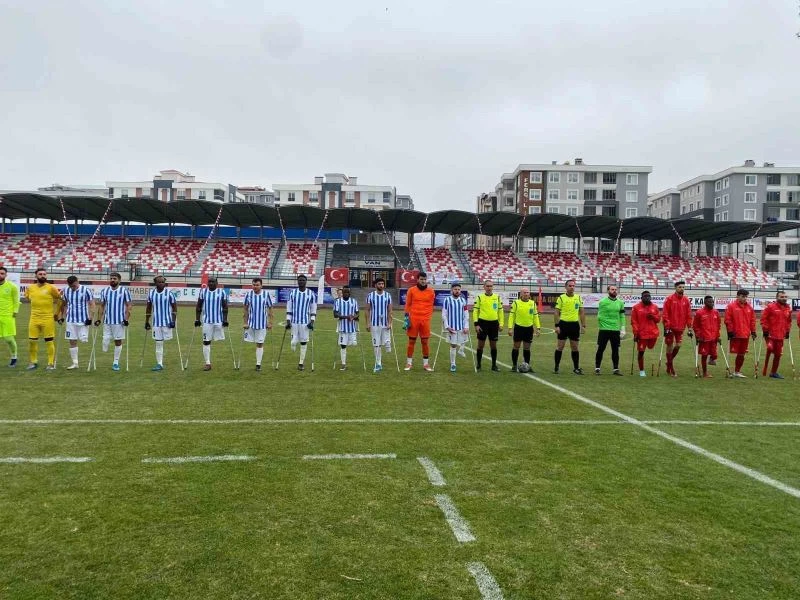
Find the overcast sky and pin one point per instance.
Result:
(436, 98)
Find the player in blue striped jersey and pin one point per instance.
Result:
(345, 310)
(257, 317)
(114, 312)
(455, 320)
(379, 320)
(77, 307)
(212, 313)
(301, 310)
(163, 308)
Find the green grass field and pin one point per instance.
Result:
(563, 498)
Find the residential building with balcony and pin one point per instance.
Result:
(171, 185)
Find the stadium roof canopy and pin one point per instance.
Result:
(30, 205)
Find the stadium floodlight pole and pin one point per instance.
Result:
(660, 356)
(189, 349)
(280, 351)
(728, 373)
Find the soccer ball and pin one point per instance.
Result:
(524, 368)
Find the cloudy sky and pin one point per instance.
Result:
(437, 98)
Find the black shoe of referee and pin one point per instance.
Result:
(578, 371)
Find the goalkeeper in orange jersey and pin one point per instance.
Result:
(419, 310)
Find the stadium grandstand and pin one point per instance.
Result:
(141, 237)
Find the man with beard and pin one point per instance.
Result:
(487, 316)
(570, 323)
(611, 323)
(677, 317)
(523, 325)
(301, 310)
(257, 317)
(419, 310)
(706, 327)
(163, 308)
(115, 310)
(455, 322)
(740, 321)
(776, 321)
(379, 321)
(45, 302)
(644, 324)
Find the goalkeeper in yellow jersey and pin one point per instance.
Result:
(45, 302)
(9, 307)
(523, 324)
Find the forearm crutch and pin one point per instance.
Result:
(660, 356)
(189, 349)
(725, 357)
(280, 351)
(439, 345)
(396, 359)
(178, 340)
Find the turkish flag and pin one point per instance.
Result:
(406, 278)
(337, 275)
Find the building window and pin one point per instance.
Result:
(590, 178)
(750, 197)
(552, 210)
(724, 216)
(110, 192)
(631, 196)
(774, 196)
(683, 212)
(627, 246)
(632, 179)
(718, 185)
(793, 196)
(717, 217)
(589, 211)
(609, 194)
(609, 178)
(790, 266)
(691, 206)
(554, 177)
(717, 202)
(631, 212)
(201, 194)
(725, 199)
(535, 177)
(793, 180)
(181, 196)
(123, 193)
(751, 179)
(313, 196)
(290, 197)
(508, 202)
(534, 210)
(726, 183)
(387, 197)
(572, 211)
(793, 214)
(749, 248)
(535, 194)
(773, 179)
(573, 177)
(572, 195)
(590, 195)
(609, 211)
(553, 194)
(750, 214)
(792, 249)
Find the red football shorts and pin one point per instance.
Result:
(739, 345)
(708, 349)
(775, 346)
(643, 345)
(421, 329)
(674, 337)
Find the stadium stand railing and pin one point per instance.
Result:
(237, 259)
(298, 258)
(499, 265)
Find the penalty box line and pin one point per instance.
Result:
(718, 458)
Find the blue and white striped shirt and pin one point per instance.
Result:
(301, 306)
(381, 305)
(77, 302)
(454, 313)
(162, 307)
(345, 308)
(212, 305)
(258, 304)
(114, 301)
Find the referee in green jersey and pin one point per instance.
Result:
(9, 307)
(611, 324)
(523, 324)
(570, 324)
(487, 316)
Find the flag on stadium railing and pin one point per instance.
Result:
(406, 278)
(337, 275)
(204, 280)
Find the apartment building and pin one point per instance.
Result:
(573, 189)
(171, 185)
(257, 195)
(762, 194)
(336, 190)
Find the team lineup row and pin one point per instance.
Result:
(75, 307)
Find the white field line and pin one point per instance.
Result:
(487, 585)
(44, 460)
(198, 459)
(411, 421)
(434, 475)
(718, 458)
(347, 456)
(457, 523)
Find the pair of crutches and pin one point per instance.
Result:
(283, 341)
(360, 347)
(439, 345)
